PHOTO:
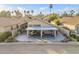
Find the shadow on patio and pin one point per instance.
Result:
(23, 37)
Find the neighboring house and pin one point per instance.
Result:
(8, 24)
(71, 23)
(11, 24)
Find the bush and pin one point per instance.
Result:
(4, 36)
(57, 22)
(66, 28)
(53, 17)
(75, 37)
(10, 39)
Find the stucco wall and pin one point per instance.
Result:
(64, 31)
(72, 27)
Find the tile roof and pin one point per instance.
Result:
(71, 20)
(10, 21)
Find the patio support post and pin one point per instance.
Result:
(12, 33)
(54, 33)
(27, 33)
(41, 33)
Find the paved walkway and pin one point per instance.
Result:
(36, 48)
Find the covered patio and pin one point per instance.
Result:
(42, 29)
(23, 37)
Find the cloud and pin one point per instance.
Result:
(5, 7)
(2, 6)
(43, 8)
(20, 8)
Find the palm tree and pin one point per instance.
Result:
(28, 12)
(40, 13)
(8, 14)
(25, 12)
(32, 12)
(64, 14)
(50, 6)
(18, 13)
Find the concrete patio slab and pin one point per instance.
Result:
(23, 37)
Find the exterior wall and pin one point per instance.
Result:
(72, 27)
(3, 29)
(36, 22)
(64, 31)
(77, 28)
(23, 26)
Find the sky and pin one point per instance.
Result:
(44, 8)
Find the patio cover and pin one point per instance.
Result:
(41, 28)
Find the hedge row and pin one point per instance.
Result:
(75, 37)
(4, 36)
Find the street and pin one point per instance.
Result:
(23, 48)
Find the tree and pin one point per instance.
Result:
(64, 14)
(25, 12)
(53, 17)
(57, 22)
(28, 12)
(50, 6)
(72, 12)
(18, 13)
(12, 12)
(40, 15)
(8, 14)
(77, 14)
(5, 13)
(32, 11)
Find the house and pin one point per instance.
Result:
(7, 24)
(38, 29)
(71, 23)
(11, 24)
(42, 26)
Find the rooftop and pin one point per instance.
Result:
(71, 20)
(42, 28)
(4, 22)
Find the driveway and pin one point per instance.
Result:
(31, 48)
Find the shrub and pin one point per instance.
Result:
(75, 37)
(4, 36)
(10, 39)
(66, 28)
(53, 17)
(57, 22)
